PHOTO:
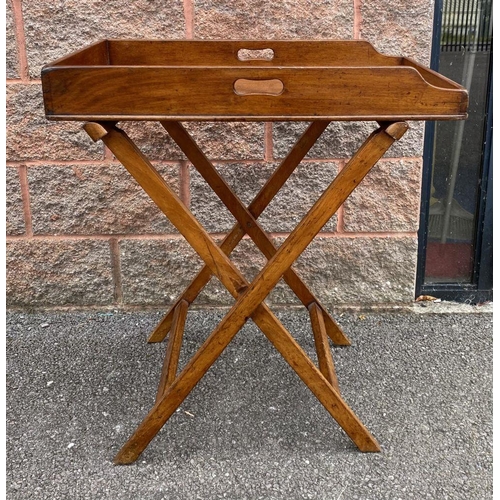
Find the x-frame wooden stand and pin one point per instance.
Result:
(173, 81)
(249, 297)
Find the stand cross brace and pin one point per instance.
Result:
(255, 209)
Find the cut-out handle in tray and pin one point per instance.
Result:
(255, 54)
(243, 87)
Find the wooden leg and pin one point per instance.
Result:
(242, 214)
(325, 359)
(206, 356)
(171, 362)
(329, 202)
(329, 397)
(260, 202)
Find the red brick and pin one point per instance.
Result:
(30, 136)
(388, 199)
(47, 273)
(94, 199)
(246, 19)
(54, 29)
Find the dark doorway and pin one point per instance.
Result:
(456, 218)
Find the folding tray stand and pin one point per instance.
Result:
(315, 81)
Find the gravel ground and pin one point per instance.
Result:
(79, 383)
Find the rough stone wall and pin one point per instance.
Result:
(81, 233)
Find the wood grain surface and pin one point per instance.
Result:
(195, 80)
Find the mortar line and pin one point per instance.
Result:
(116, 270)
(184, 181)
(17, 81)
(340, 211)
(178, 236)
(113, 161)
(102, 161)
(353, 235)
(239, 161)
(189, 18)
(17, 11)
(103, 237)
(268, 142)
(25, 195)
(343, 160)
(357, 20)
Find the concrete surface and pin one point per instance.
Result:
(78, 383)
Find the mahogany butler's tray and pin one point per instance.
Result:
(317, 81)
(201, 80)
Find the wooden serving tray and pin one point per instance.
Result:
(214, 80)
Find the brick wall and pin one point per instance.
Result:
(80, 232)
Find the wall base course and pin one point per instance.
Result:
(153, 271)
(58, 273)
(361, 270)
(340, 270)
